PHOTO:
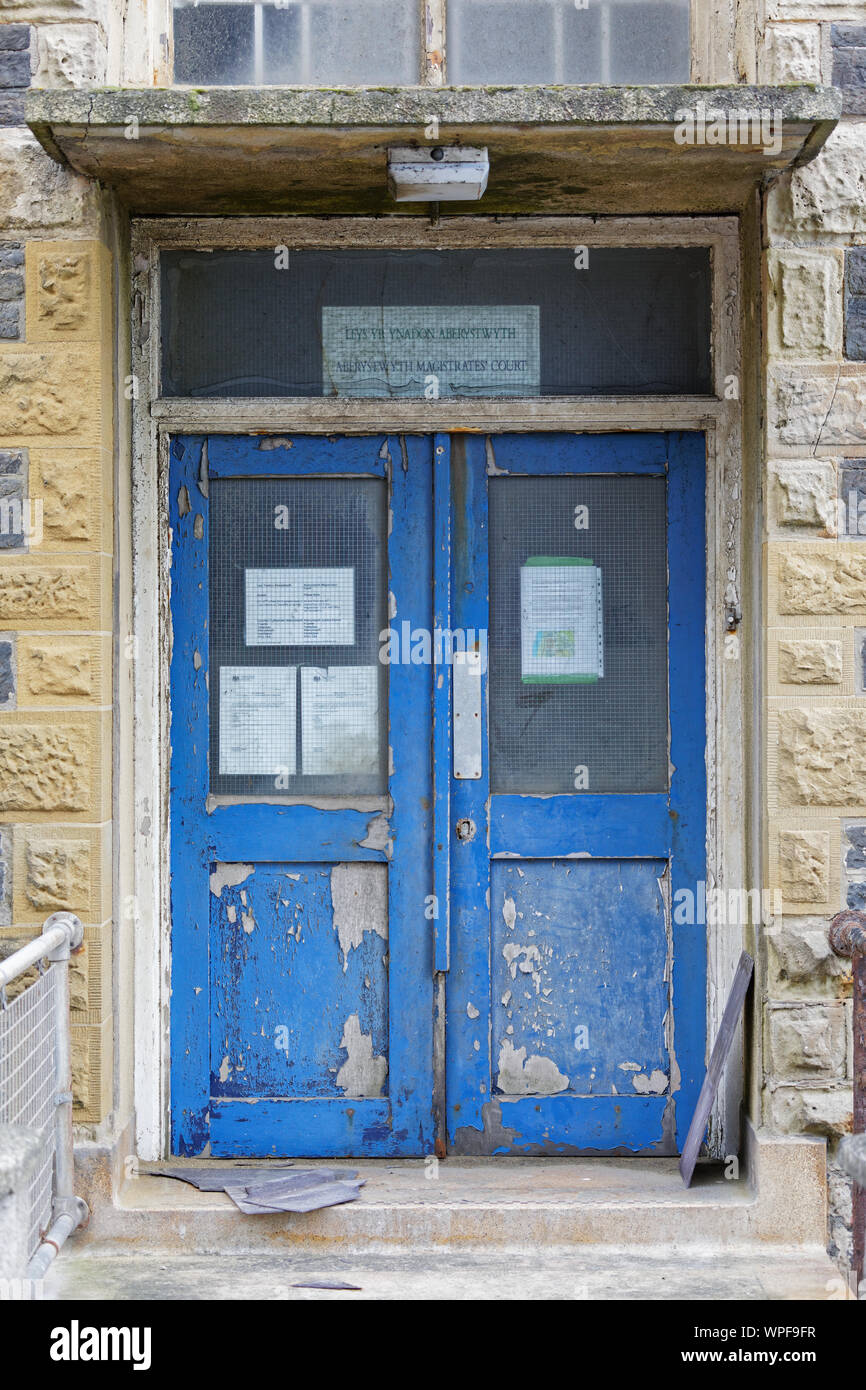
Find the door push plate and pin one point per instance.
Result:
(466, 705)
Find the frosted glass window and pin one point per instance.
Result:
(297, 42)
(540, 41)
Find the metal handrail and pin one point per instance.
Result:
(62, 934)
(848, 939)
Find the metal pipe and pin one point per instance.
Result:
(28, 955)
(848, 939)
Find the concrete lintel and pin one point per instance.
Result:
(298, 150)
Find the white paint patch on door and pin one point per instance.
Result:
(229, 876)
(653, 1085)
(362, 1075)
(520, 1075)
(359, 893)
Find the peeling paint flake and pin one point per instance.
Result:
(229, 876)
(359, 897)
(520, 1075)
(653, 1085)
(362, 1075)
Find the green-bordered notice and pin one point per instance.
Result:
(431, 350)
(561, 621)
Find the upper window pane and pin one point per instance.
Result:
(317, 43)
(540, 41)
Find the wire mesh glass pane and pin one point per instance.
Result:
(541, 41)
(578, 693)
(297, 601)
(297, 43)
(631, 321)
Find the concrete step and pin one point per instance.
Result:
(593, 1273)
(488, 1204)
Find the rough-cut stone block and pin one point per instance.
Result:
(11, 285)
(804, 865)
(827, 196)
(62, 865)
(801, 961)
(822, 407)
(68, 287)
(810, 662)
(822, 757)
(801, 1111)
(15, 514)
(45, 767)
(70, 55)
(848, 49)
(11, 291)
(13, 462)
(855, 303)
(14, 68)
(805, 303)
(807, 1040)
(855, 269)
(792, 53)
(56, 668)
(13, 107)
(45, 11)
(67, 481)
(57, 874)
(14, 38)
(63, 288)
(50, 393)
(805, 495)
(7, 673)
(814, 582)
(39, 195)
(855, 896)
(37, 593)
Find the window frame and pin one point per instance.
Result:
(724, 40)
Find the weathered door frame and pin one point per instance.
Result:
(143, 732)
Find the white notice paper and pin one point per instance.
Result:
(300, 607)
(561, 628)
(257, 721)
(339, 720)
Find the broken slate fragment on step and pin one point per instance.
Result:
(256, 1191)
(301, 1191)
(215, 1179)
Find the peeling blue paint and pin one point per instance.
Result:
(590, 950)
(266, 951)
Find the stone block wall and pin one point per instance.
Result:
(815, 584)
(56, 532)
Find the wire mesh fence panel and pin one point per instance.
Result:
(28, 1086)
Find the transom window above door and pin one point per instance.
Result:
(426, 324)
(400, 42)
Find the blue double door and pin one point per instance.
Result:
(437, 788)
